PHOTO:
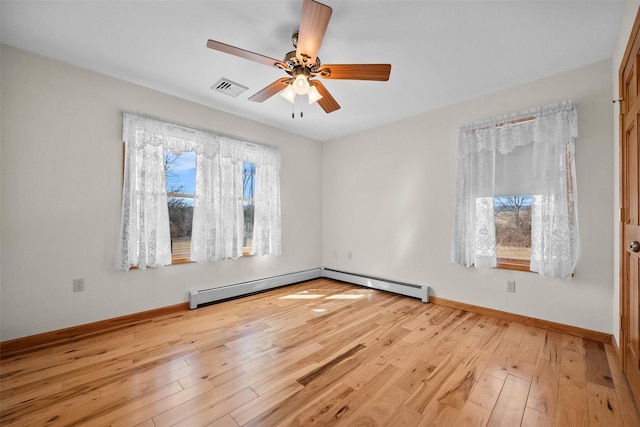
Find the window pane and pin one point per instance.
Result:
(249, 180)
(248, 224)
(181, 178)
(249, 186)
(180, 221)
(513, 226)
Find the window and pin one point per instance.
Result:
(516, 193)
(191, 206)
(248, 204)
(180, 172)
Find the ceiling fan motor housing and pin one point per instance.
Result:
(292, 61)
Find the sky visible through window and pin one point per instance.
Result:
(500, 201)
(181, 175)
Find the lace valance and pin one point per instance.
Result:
(554, 124)
(139, 130)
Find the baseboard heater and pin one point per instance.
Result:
(212, 295)
(208, 296)
(407, 289)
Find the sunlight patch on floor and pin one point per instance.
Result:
(345, 296)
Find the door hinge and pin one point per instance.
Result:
(621, 214)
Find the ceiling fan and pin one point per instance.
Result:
(303, 63)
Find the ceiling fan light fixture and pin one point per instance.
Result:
(289, 94)
(301, 85)
(314, 95)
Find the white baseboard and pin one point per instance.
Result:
(408, 289)
(198, 298)
(208, 296)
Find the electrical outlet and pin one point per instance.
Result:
(511, 285)
(78, 285)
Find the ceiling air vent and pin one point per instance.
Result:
(228, 87)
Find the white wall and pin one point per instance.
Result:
(618, 54)
(385, 195)
(61, 176)
(388, 198)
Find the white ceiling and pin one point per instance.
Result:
(442, 52)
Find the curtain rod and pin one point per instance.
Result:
(508, 123)
(520, 117)
(199, 129)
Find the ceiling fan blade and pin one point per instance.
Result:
(379, 72)
(327, 102)
(313, 25)
(270, 90)
(232, 50)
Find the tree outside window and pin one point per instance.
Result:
(513, 226)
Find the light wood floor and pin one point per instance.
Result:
(318, 353)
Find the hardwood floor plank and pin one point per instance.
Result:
(502, 359)
(368, 383)
(551, 349)
(134, 408)
(472, 415)
(533, 418)
(379, 411)
(597, 365)
(486, 391)
(404, 416)
(630, 413)
(494, 333)
(226, 421)
(456, 390)
(265, 407)
(526, 358)
(327, 409)
(205, 408)
(511, 403)
(573, 394)
(568, 416)
(429, 386)
(439, 415)
(603, 406)
(543, 394)
(316, 353)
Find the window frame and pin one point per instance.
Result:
(514, 264)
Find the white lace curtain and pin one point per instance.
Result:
(554, 212)
(218, 217)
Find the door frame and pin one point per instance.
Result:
(624, 285)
